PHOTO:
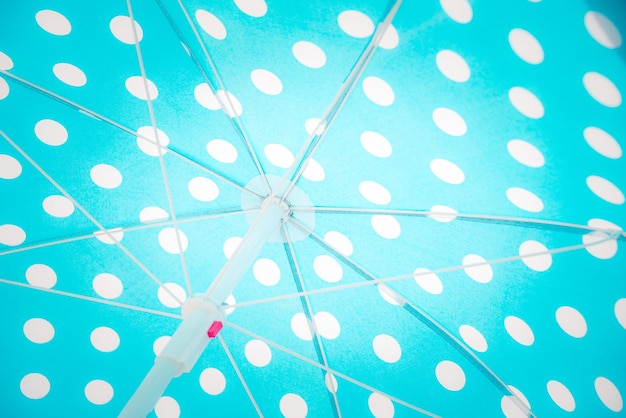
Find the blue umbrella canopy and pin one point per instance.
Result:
(452, 180)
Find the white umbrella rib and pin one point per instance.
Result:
(240, 375)
(234, 118)
(91, 299)
(108, 121)
(329, 370)
(297, 275)
(153, 122)
(90, 217)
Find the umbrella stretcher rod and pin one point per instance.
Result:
(202, 318)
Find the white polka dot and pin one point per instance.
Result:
(355, 24)
(41, 275)
(258, 353)
(482, 273)
(254, 8)
(525, 153)
(169, 242)
(561, 395)
(147, 141)
(279, 155)
(159, 344)
(390, 38)
(453, 66)
(107, 285)
(203, 189)
(390, 296)
(450, 375)
(519, 330)
(378, 91)
(10, 168)
(524, 199)
(606, 248)
(620, 312)
(314, 171)
(106, 176)
(327, 325)
(447, 171)
(473, 338)
(152, 214)
(309, 54)
(510, 407)
(376, 144)
(122, 28)
(53, 22)
(380, 406)
(339, 242)
(386, 226)
(111, 236)
(4, 89)
(212, 381)
(99, 392)
(442, 213)
(387, 348)
(374, 192)
(104, 339)
(605, 190)
(571, 321)
(327, 268)
(602, 142)
(168, 300)
(267, 82)
(526, 103)
(428, 281)
(211, 24)
(6, 63)
(69, 74)
(266, 272)
(602, 89)
(222, 151)
(38, 330)
(458, 10)
(167, 407)
(602, 30)
(205, 97)
(34, 385)
(136, 87)
(608, 394)
(331, 383)
(449, 121)
(540, 262)
(58, 206)
(300, 327)
(11, 235)
(51, 132)
(230, 245)
(313, 125)
(293, 406)
(526, 46)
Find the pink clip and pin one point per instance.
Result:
(214, 329)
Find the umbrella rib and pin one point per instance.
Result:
(102, 118)
(240, 375)
(166, 182)
(319, 133)
(392, 279)
(235, 120)
(130, 228)
(91, 299)
(471, 217)
(329, 370)
(89, 216)
(295, 267)
(427, 319)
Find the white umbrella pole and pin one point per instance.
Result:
(200, 313)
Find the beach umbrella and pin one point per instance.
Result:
(274, 208)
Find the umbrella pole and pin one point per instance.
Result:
(201, 312)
